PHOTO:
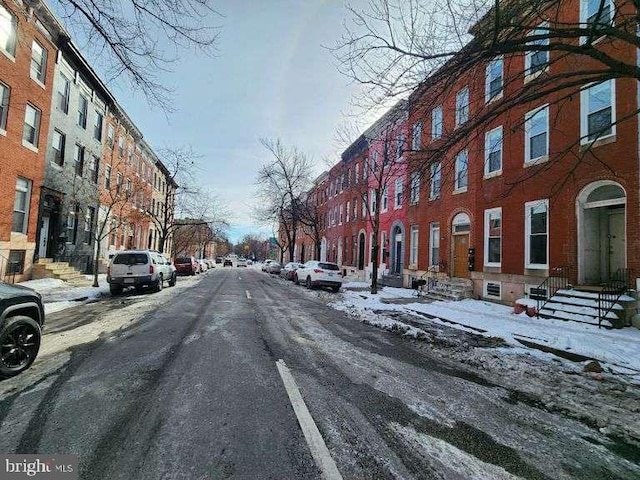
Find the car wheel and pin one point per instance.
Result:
(115, 289)
(173, 279)
(335, 289)
(295, 279)
(308, 283)
(19, 344)
(158, 286)
(139, 289)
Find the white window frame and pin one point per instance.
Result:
(434, 242)
(487, 229)
(36, 128)
(490, 78)
(365, 203)
(5, 96)
(485, 290)
(63, 94)
(489, 145)
(348, 212)
(436, 123)
(416, 136)
(399, 147)
(457, 184)
(26, 190)
(38, 67)
(415, 188)
(542, 29)
(584, 11)
(9, 49)
(462, 109)
(435, 184)
(528, 206)
(384, 199)
(397, 194)
(383, 241)
(584, 112)
(528, 120)
(414, 239)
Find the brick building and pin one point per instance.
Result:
(27, 55)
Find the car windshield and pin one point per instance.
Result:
(183, 260)
(328, 266)
(130, 259)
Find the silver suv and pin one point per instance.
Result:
(139, 269)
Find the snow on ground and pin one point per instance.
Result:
(58, 295)
(617, 349)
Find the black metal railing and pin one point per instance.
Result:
(609, 296)
(558, 279)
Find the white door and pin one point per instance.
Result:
(44, 237)
(616, 238)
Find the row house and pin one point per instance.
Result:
(27, 48)
(503, 203)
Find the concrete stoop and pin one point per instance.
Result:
(450, 289)
(47, 268)
(392, 281)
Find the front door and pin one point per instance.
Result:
(361, 252)
(398, 254)
(616, 241)
(44, 237)
(461, 256)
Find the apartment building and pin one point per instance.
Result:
(27, 56)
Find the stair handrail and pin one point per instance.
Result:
(617, 285)
(558, 279)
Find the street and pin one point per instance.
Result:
(192, 390)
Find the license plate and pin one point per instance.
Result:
(331, 274)
(128, 280)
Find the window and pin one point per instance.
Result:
(31, 126)
(415, 187)
(596, 14)
(462, 106)
(355, 209)
(413, 252)
(536, 216)
(597, 108)
(365, 167)
(38, 62)
(434, 244)
(340, 215)
(399, 147)
(121, 146)
(21, 203)
(493, 80)
(493, 151)
(8, 31)
(398, 193)
(15, 264)
(348, 211)
(72, 223)
(364, 206)
(89, 216)
(436, 123)
(385, 199)
(536, 134)
(462, 171)
(107, 177)
(128, 188)
(94, 165)
(64, 89)
(83, 105)
(374, 206)
(492, 289)
(492, 237)
(78, 160)
(374, 162)
(383, 246)
(97, 126)
(119, 183)
(436, 177)
(5, 93)
(416, 136)
(110, 135)
(537, 60)
(356, 173)
(58, 143)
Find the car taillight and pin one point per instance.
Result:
(109, 270)
(151, 269)
(317, 270)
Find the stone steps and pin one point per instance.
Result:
(47, 268)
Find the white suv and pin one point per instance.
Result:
(139, 269)
(319, 274)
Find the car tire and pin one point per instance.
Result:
(19, 345)
(173, 280)
(295, 279)
(335, 289)
(115, 289)
(158, 285)
(139, 289)
(308, 283)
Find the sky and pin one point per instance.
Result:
(273, 77)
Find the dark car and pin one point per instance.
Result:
(186, 265)
(21, 323)
(227, 262)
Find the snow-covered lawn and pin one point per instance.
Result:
(617, 349)
(58, 295)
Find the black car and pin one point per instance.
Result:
(21, 324)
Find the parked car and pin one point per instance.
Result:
(274, 268)
(186, 266)
(203, 265)
(218, 259)
(320, 274)
(266, 263)
(289, 270)
(249, 262)
(227, 262)
(139, 269)
(242, 262)
(21, 324)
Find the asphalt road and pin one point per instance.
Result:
(192, 391)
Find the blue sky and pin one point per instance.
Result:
(272, 78)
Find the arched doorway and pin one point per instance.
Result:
(460, 229)
(323, 249)
(601, 215)
(361, 250)
(396, 263)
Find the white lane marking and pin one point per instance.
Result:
(316, 444)
(248, 294)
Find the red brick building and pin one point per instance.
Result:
(27, 58)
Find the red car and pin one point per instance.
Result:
(186, 266)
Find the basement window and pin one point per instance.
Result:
(493, 290)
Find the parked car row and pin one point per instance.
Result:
(312, 274)
(139, 269)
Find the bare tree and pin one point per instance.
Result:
(140, 39)
(281, 184)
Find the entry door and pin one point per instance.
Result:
(44, 237)
(361, 252)
(398, 254)
(616, 242)
(461, 256)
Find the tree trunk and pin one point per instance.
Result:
(96, 263)
(374, 271)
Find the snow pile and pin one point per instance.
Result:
(58, 295)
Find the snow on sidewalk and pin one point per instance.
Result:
(58, 295)
(617, 349)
